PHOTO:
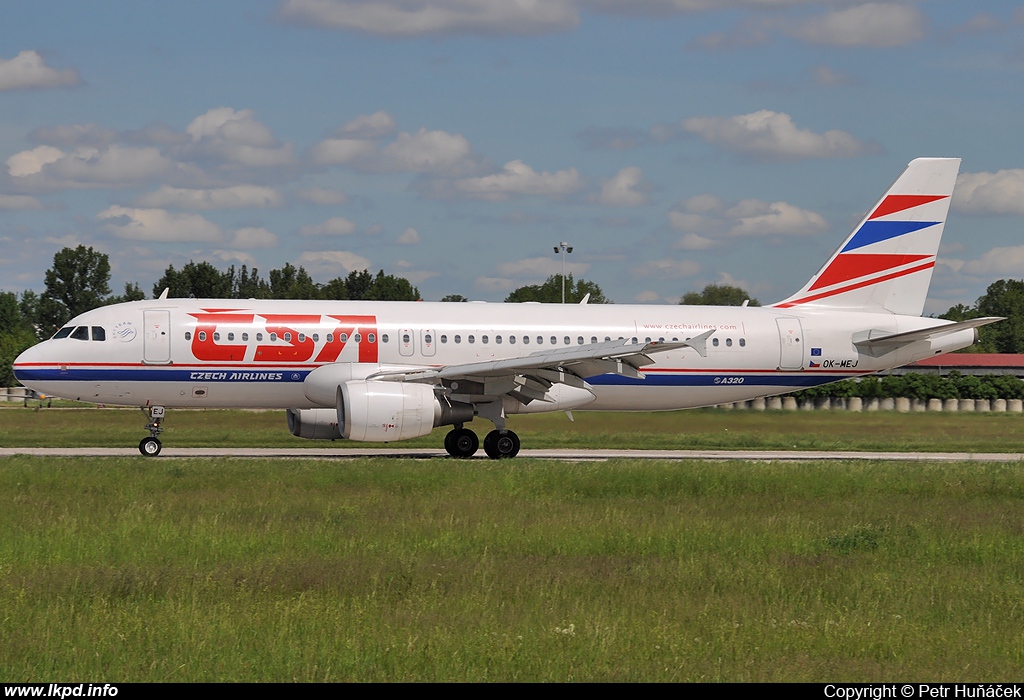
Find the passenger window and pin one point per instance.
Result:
(64, 332)
(647, 340)
(344, 337)
(259, 337)
(383, 337)
(634, 340)
(743, 342)
(358, 338)
(444, 338)
(593, 339)
(98, 333)
(714, 341)
(273, 337)
(526, 340)
(81, 333)
(728, 342)
(287, 337)
(316, 337)
(579, 340)
(512, 340)
(245, 337)
(202, 336)
(472, 339)
(371, 338)
(406, 338)
(428, 339)
(607, 338)
(302, 337)
(483, 339)
(458, 339)
(231, 336)
(554, 340)
(497, 339)
(188, 335)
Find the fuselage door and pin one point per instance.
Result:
(156, 343)
(406, 342)
(792, 341)
(428, 339)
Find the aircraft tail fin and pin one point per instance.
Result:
(885, 265)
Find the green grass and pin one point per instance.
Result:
(408, 570)
(708, 428)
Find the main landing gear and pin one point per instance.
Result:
(463, 443)
(150, 447)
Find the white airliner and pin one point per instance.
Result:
(386, 371)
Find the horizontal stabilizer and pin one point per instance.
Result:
(876, 343)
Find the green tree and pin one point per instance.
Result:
(16, 336)
(78, 282)
(453, 297)
(292, 283)
(550, 292)
(358, 284)
(391, 288)
(200, 280)
(132, 292)
(1002, 298)
(718, 295)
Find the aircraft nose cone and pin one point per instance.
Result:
(24, 362)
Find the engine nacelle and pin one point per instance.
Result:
(314, 423)
(374, 411)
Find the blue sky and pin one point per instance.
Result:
(673, 143)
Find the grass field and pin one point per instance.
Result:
(131, 569)
(709, 428)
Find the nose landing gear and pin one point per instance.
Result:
(151, 446)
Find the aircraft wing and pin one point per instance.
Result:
(529, 377)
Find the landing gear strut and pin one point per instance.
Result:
(461, 443)
(150, 447)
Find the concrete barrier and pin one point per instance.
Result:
(966, 405)
(789, 403)
(758, 404)
(855, 403)
(934, 404)
(951, 405)
(1015, 405)
(982, 405)
(999, 405)
(774, 403)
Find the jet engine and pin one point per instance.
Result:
(314, 423)
(375, 411)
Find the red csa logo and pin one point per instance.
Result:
(293, 333)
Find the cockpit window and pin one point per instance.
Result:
(98, 333)
(63, 332)
(80, 333)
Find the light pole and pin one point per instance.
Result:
(565, 248)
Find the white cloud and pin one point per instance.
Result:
(540, 268)
(238, 138)
(343, 151)
(31, 162)
(664, 268)
(1001, 192)
(253, 237)
(158, 225)
(772, 135)
(238, 197)
(516, 179)
(626, 189)
(647, 297)
(378, 125)
(708, 215)
(409, 237)
(406, 18)
(232, 256)
(692, 241)
(427, 152)
(873, 24)
(998, 261)
(335, 226)
(752, 217)
(825, 76)
(114, 165)
(19, 201)
(323, 197)
(331, 263)
(27, 70)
